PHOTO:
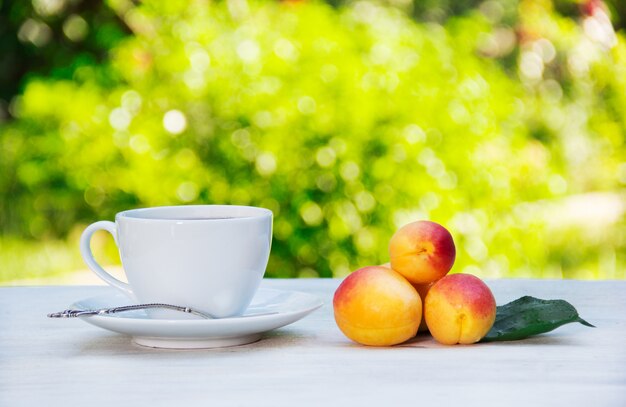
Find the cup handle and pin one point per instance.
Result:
(85, 251)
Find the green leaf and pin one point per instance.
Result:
(528, 316)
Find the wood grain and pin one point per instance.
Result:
(45, 362)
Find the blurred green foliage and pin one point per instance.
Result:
(52, 38)
(506, 126)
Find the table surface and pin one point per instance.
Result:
(68, 362)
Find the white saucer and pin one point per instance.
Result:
(286, 306)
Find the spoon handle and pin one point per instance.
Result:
(72, 313)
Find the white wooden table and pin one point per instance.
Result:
(45, 362)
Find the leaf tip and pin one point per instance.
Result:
(585, 323)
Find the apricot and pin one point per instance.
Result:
(378, 307)
(459, 308)
(422, 251)
(422, 290)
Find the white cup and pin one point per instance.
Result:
(208, 257)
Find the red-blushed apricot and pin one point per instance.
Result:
(422, 251)
(378, 307)
(459, 308)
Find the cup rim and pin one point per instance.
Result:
(256, 212)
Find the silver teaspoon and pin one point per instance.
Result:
(73, 313)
